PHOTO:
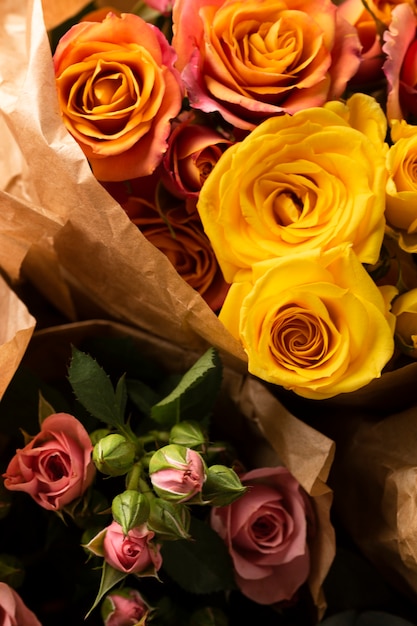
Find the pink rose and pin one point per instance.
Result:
(118, 90)
(124, 607)
(177, 473)
(133, 553)
(266, 534)
(13, 611)
(370, 69)
(193, 151)
(251, 59)
(55, 467)
(400, 66)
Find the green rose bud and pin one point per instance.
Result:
(188, 434)
(169, 521)
(222, 486)
(177, 473)
(98, 434)
(130, 509)
(114, 455)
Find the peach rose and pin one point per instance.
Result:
(266, 533)
(13, 611)
(311, 180)
(55, 467)
(181, 237)
(118, 91)
(251, 59)
(133, 553)
(314, 322)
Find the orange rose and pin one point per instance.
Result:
(182, 239)
(118, 91)
(251, 59)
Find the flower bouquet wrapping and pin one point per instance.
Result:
(17, 326)
(60, 476)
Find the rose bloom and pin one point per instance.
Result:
(193, 150)
(314, 323)
(55, 467)
(266, 533)
(183, 241)
(400, 66)
(13, 611)
(133, 553)
(124, 607)
(251, 59)
(401, 209)
(177, 473)
(404, 308)
(311, 180)
(372, 58)
(117, 91)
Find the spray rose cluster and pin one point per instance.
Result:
(146, 487)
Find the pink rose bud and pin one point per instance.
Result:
(55, 467)
(133, 553)
(124, 607)
(13, 611)
(177, 473)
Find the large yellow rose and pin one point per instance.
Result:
(312, 180)
(314, 323)
(401, 209)
(118, 91)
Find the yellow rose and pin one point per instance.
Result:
(295, 183)
(314, 323)
(405, 309)
(401, 209)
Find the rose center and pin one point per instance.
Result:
(55, 467)
(287, 208)
(131, 549)
(299, 338)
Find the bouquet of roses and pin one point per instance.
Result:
(158, 508)
(233, 152)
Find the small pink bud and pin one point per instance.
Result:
(177, 473)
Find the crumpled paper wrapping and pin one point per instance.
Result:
(60, 229)
(16, 328)
(252, 418)
(374, 477)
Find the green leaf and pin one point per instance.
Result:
(194, 396)
(109, 578)
(44, 409)
(142, 396)
(202, 565)
(121, 395)
(94, 389)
